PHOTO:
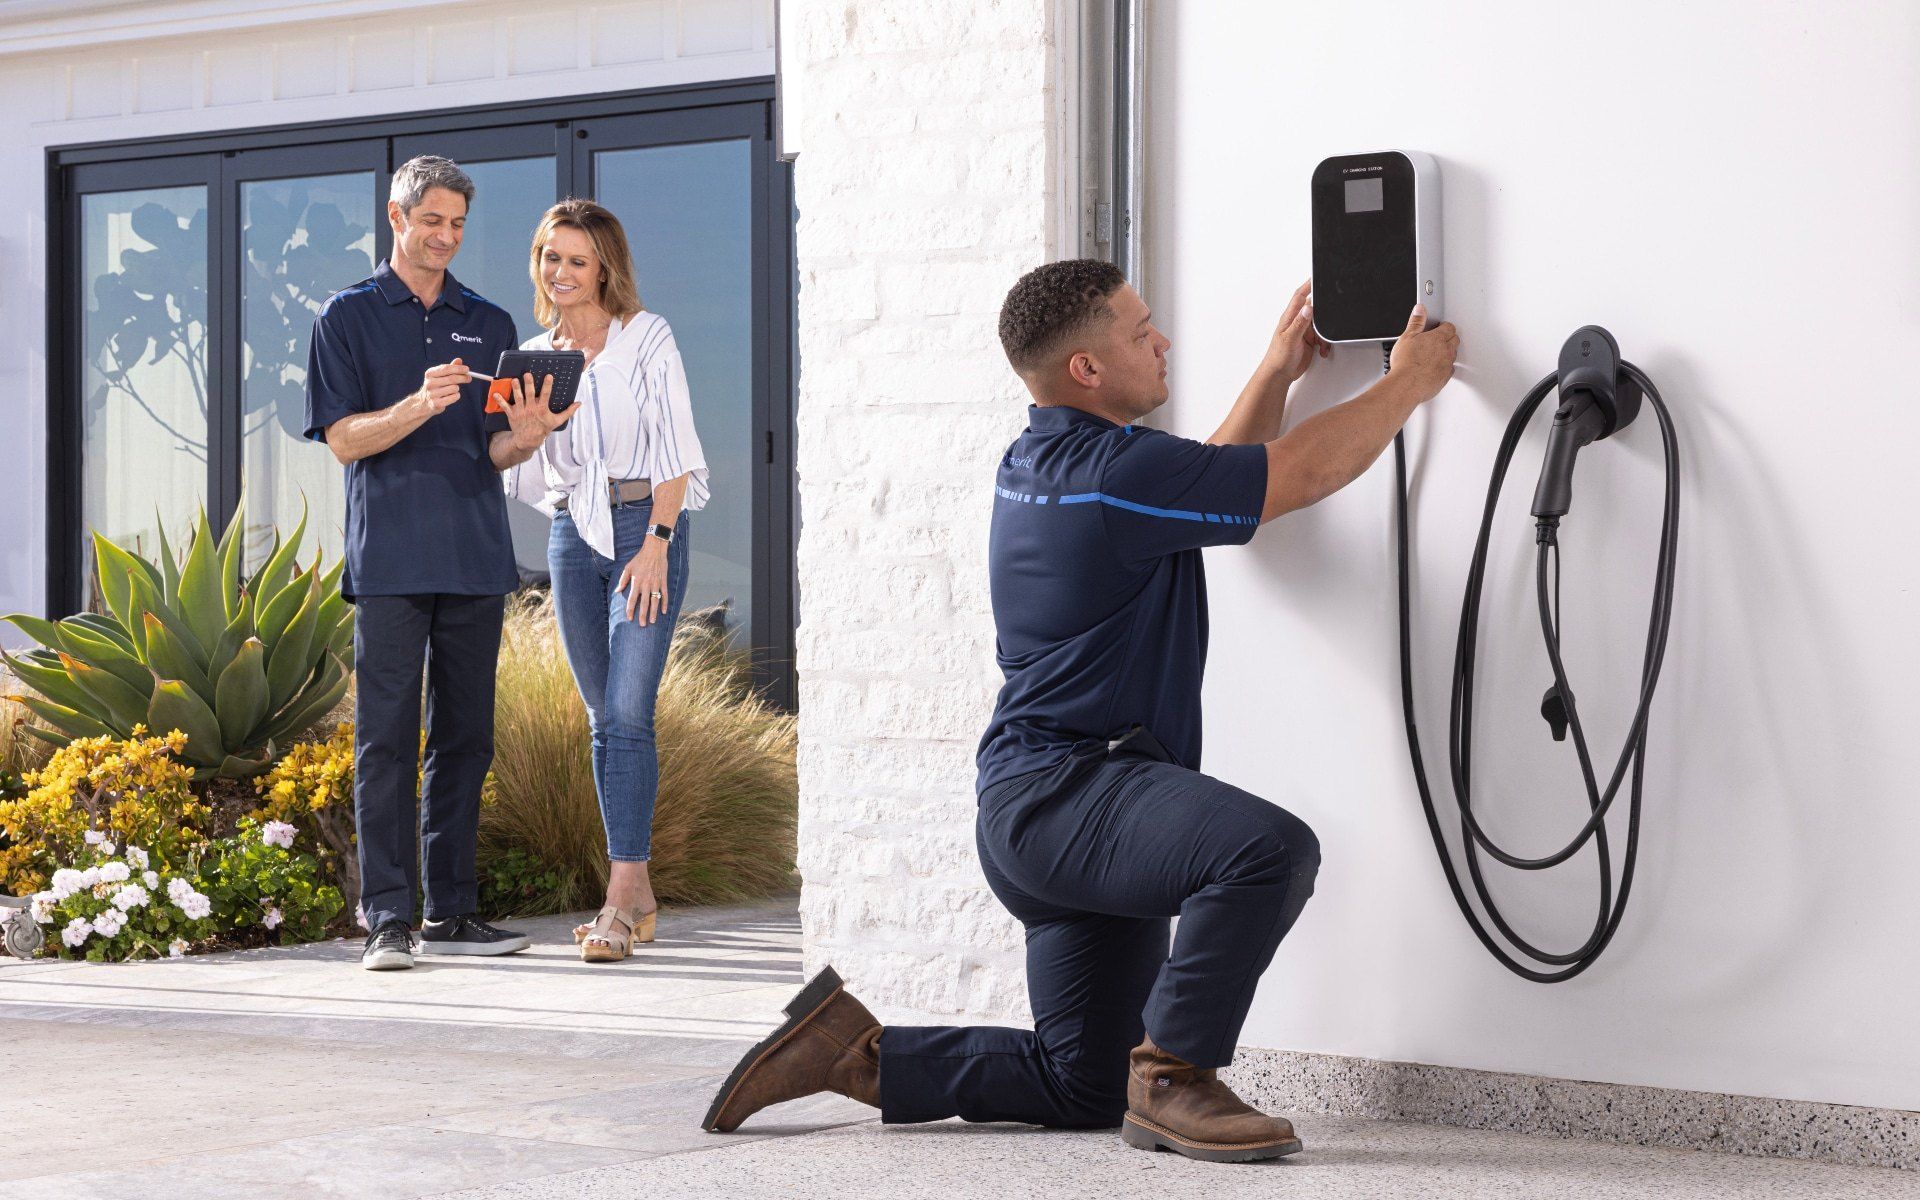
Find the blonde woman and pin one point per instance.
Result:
(619, 482)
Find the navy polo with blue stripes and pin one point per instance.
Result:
(1099, 594)
(427, 514)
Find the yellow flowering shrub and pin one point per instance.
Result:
(135, 790)
(311, 788)
(312, 777)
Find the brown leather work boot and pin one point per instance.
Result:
(829, 1043)
(1174, 1105)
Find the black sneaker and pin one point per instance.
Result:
(389, 947)
(468, 935)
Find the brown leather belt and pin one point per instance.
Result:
(620, 491)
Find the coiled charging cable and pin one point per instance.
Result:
(1557, 966)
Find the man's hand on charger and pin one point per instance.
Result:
(1424, 357)
(1294, 342)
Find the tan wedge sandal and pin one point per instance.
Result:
(646, 935)
(602, 941)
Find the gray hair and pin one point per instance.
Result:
(422, 172)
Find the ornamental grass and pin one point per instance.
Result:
(724, 822)
(20, 751)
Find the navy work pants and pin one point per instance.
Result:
(457, 638)
(1094, 856)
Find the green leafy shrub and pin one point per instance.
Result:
(235, 664)
(311, 788)
(520, 883)
(256, 880)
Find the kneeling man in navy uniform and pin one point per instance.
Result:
(1095, 824)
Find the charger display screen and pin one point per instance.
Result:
(1366, 195)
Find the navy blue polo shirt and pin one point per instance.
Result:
(428, 513)
(1099, 595)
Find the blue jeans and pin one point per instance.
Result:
(617, 664)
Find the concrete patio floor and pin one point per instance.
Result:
(292, 1073)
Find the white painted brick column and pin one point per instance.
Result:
(923, 193)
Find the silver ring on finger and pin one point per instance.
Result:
(656, 595)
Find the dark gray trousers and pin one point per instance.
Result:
(1094, 856)
(400, 821)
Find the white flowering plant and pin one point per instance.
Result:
(110, 908)
(248, 889)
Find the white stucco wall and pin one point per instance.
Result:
(88, 72)
(1729, 187)
(922, 192)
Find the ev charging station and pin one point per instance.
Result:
(1376, 244)
(1376, 253)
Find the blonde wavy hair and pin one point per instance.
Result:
(619, 292)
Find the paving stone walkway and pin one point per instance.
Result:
(292, 1073)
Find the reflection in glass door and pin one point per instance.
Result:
(688, 216)
(301, 241)
(144, 337)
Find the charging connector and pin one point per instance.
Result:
(1557, 707)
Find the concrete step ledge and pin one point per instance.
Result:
(1292, 1081)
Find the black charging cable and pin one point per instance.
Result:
(1559, 709)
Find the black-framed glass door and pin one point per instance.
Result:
(187, 274)
(687, 188)
(518, 172)
(137, 446)
(311, 222)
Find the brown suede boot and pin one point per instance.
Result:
(1174, 1105)
(829, 1043)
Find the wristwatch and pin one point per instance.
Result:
(663, 532)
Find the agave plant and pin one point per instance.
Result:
(236, 665)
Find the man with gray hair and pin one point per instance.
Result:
(429, 560)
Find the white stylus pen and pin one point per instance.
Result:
(478, 375)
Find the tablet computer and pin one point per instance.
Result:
(566, 367)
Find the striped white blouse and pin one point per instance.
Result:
(635, 422)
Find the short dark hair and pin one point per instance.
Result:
(1050, 304)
